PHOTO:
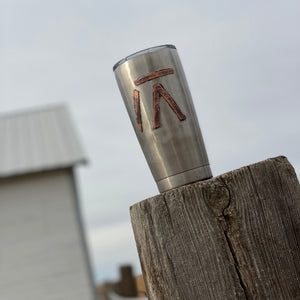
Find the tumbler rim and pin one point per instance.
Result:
(141, 52)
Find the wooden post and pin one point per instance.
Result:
(229, 237)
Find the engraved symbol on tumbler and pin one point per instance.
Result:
(158, 92)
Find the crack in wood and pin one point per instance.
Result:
(230, 246)
(236, 264)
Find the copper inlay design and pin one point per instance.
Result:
(154, 75)
(159, 91)
(137, 108)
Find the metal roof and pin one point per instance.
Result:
(38, 140)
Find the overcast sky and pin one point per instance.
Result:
(242, 62)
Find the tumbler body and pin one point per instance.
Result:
(156, 95)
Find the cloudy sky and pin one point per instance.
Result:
(241, 59)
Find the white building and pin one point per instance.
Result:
(42, 247)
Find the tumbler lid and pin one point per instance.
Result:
(141, 52)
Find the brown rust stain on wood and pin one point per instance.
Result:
(154, 75)
(137, 108)
(160, 91)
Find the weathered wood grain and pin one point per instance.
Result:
(235, 236)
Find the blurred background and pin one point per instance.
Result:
(242, 62)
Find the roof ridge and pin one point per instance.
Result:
(33, 110)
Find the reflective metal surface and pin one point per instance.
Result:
(158, 100)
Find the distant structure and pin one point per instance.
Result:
(127, 288)
(42, 246)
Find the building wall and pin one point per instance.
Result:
(42, 256)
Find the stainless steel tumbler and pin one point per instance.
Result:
(160, 106)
